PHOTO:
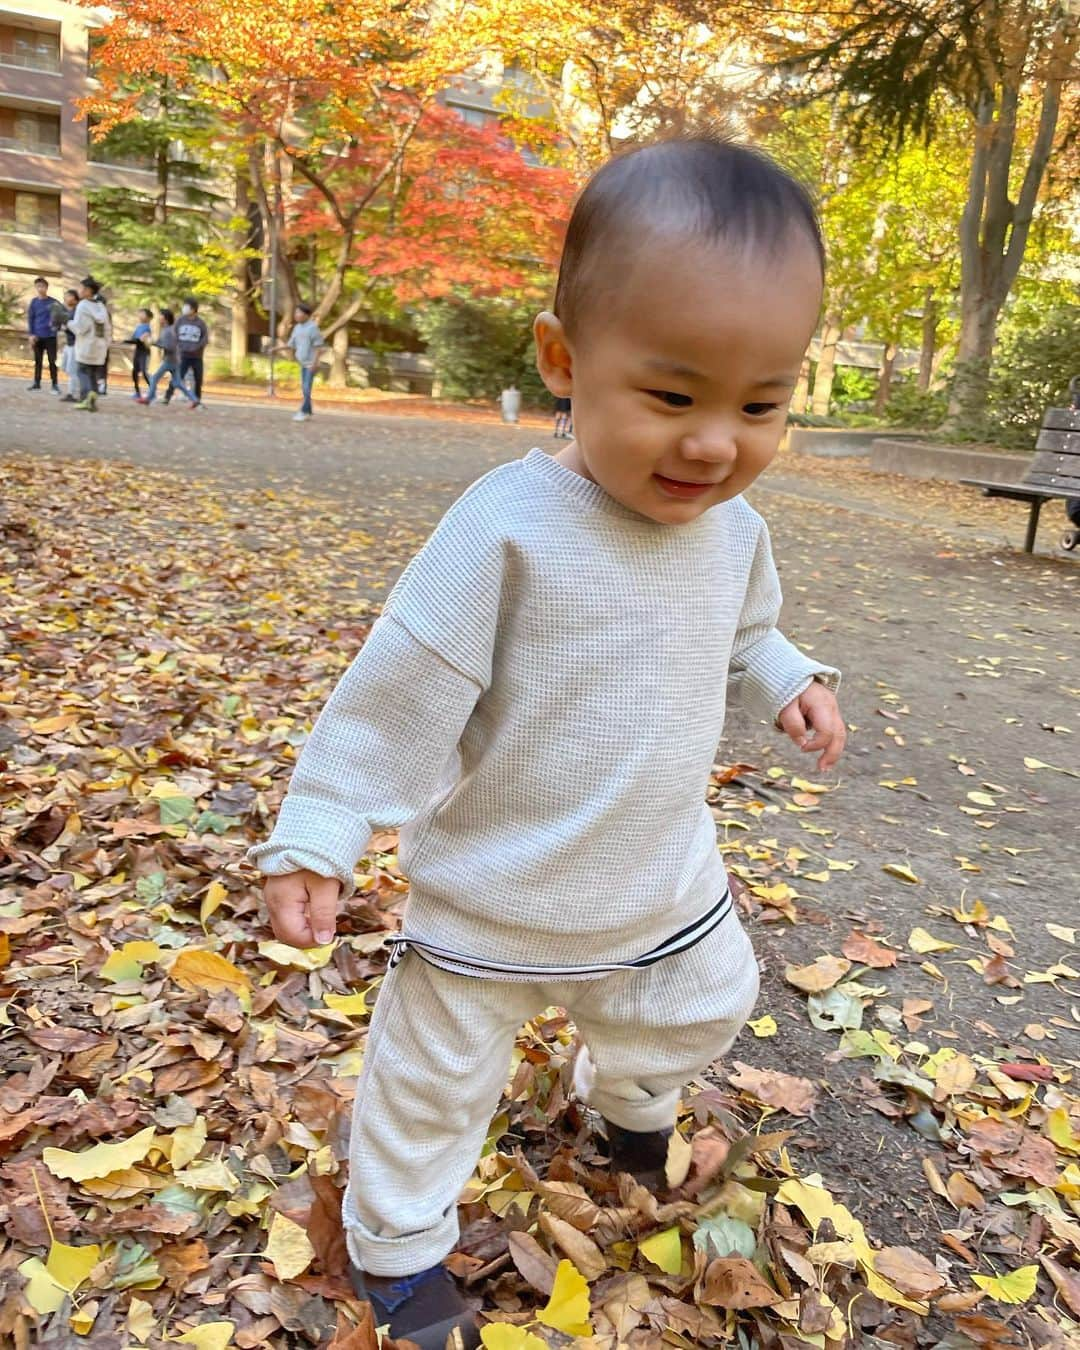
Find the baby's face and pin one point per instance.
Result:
(680, 395)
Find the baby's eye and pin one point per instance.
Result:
(672, 399)
(759, 409)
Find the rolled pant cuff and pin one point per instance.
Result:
(655, 1114)
(406, 1255)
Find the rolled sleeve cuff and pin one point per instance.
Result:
(774, 672)
(316, 836)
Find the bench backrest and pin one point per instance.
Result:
(1057, 451)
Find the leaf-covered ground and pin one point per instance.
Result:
(892, 1155)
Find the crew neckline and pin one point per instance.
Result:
(582, 489)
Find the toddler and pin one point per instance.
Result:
(539, 705)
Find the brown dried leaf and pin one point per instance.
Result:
(864, 950)
(798, 1096)
(734, 1282)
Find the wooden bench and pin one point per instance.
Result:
(1054, 472)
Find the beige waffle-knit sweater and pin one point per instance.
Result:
(538, 708)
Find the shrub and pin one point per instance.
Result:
(480, 347)
(909, 406)
(1036, 356)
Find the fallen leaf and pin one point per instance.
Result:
(195, 969)
(909, 1272)
(735, 1282)
(100, 1160)
(1016, 1287)
(288, 1248)
(763, 1026)
(923, 942)
(664, 1250)
(820, 974)
(784, 1091)
(865, 951)
(901, 872)
(567, 1309)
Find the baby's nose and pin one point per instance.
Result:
(714, 443)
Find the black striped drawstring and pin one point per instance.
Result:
(681, 941)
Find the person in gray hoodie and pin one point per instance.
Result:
(166, 343)
(192, 335)
(93, 333)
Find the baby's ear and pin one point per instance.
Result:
(554, 360)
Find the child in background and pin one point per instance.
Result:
(139, 341)
(539, 705)
(68, 364)
(564, 422)
(166, 342)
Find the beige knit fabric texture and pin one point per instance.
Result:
(438, 1057)
(538, 709)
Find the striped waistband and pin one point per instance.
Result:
(457, 963)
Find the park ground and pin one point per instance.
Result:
(180, 590)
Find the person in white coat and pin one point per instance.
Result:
(93, 333)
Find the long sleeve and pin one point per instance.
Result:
(375, 756)
(767, 671)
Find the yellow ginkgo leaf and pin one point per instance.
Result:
(215, 894)
(303, 958)
(1016, 1287)
(664, 1250)
(922, 942)
(187, 1142)
(502, 1336)
(69, 1266)
(208, 1176)
(196, 969)
(82, 1320)
(210, 1336)
(567, 1309)
(118, 967)
(764, 1026)
(100, 1160)
(141, 1321)
(288, 1248)
(1059, 1128)
(42, 1292)
(902, 872)
(982, 799)
(353, 1005)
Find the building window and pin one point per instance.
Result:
(475, 117)
(29, 48)
(23, 212)
(35, 133)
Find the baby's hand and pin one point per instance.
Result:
(303, 907)
(813, 722)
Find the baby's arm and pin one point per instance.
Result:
(772, 678)
(374, 759)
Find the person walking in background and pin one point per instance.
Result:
(564, 420)
(139, 341)
(166, 340)
(304, 343)
(68, 364)
(93, 333)
(39, 322)
(192, 335)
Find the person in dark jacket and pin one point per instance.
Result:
(139, 342)
(42, 328)
(192, 335)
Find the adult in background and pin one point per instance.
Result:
(40, 324)
(68, 364)
(304, 343)
(93, 333)
(192, 335)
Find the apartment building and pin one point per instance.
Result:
(47, 161)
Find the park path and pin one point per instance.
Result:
(960, 677)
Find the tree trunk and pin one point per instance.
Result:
(971, 382)
(826, 367)
(801, 395)
(929, 340)
(339, 370)
(888, 363)
(239, 303)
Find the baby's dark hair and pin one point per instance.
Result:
(703, 187)
(167, 315)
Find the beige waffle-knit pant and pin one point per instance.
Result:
(437, 1061)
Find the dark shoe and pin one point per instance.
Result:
(641, 1153)
(68, 398)
(427, 1308)
(55, 388)
(33, 386)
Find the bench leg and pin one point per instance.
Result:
(1032, 525)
